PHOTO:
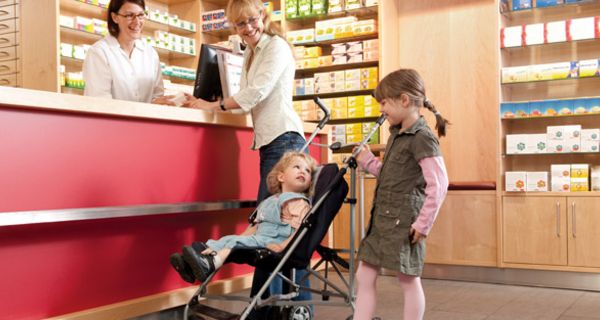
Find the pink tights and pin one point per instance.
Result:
(366, 276)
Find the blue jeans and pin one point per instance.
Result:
(269, 156)
(271, 153)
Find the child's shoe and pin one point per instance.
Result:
(184, 270)
(202, 265)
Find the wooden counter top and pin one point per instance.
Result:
(44, 100)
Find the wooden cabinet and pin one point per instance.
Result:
(551, 230)
(534, 230)
(583, 214)
(464, 232)
(9, 44)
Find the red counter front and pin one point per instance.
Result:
(58, 159)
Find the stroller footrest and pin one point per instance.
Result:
(214, 313)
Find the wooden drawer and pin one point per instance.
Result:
(7, 2)
(9, 12)
(9, 80)
(8, 40)
(8, 53)
(8, 26)
(8, 67)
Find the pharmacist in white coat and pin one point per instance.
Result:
(122, 66)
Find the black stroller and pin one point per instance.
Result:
(330, 190)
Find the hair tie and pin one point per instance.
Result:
(437, 113)
(426, 101)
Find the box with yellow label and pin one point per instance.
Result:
(352, 85)
(325, 61)
(369, 73)
(577, 184)
(312, 52)
(353, 128)
(580, 171)
(368, 84)
(341, 102)
(353, 138)
(339, 113)
(370, 100)
(367, 127)
(354, 101)
(352, 74)
(372, 111)
(356, 112)
(374, 138)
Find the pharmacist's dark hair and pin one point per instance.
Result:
(409, 82)
(114, 7)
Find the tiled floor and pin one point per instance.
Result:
(454, 300)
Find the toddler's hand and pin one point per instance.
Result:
(363, 153)
(274, 247)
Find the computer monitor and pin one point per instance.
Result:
(208, 81)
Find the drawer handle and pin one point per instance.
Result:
(3, 26)
(4, 81)
(4, 54)
(3, 67)
(4, 40)
(3, 12)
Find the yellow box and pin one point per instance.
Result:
(344, 30)
(339, 113)
(352, 138)
(353, 128)
(368, 84)
(310, 63)
(325, 61)
(297, 106)
(369, 73)
(515, 74)
(370, 100)
(354, 101)
(340, 102)
(372, 111)
(580, 171)
(312, 52)
(299, 52)
(577, 184)
(356, 112)
(367, 126)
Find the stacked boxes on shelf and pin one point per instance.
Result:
(552, 71)
(557, 139)
(339, 28)
(528, 4)
(94, 25)
(308, 8)
(352, 107)
(214, 20)
(550, 108)
(170, 19)
(354, 133)
(337, 81)
(550, 32)
(356, 51)
(563, 177)
(173, 42)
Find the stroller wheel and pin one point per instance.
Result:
(299, 313)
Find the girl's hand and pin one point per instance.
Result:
(363, 153)
(415, 236)
(275, 247)
(199, 104)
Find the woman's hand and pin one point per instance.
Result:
(363, 153)
(415, 236)
(164, 100)
(200, 104)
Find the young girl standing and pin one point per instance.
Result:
(278, 219)
(411, 186)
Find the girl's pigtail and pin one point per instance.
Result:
(440, 122)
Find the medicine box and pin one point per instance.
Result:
(537, 181)
(515, 181)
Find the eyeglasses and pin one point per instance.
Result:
(130, 16)
(251, 21)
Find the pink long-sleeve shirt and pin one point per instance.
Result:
(436, 177)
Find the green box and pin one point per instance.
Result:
(291, 8)
(318, 7)
(304, 8)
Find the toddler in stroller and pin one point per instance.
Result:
(278, 218)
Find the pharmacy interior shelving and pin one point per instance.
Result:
(548, 89)
(183, 8)
(538, 229)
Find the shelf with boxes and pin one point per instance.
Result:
(531, 7)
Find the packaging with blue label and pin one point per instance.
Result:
(506, 110)
(521, 4)
(521, 109)
(565, 107)
(548, 3)
(536, 109)
(593, 105)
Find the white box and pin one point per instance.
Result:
(590, 135)
(590, 146)
(536, 143)
(556, 31)
(555, 132)
(515, 180)
(511, 37)
(572, 132)
(582, 29)
(537, 181)
(573, 145)
(560, 171)
(534, 34)
(516, 143)
(555, 146)
(595, 179)
(561, 184)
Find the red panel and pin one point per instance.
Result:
(63, 160)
